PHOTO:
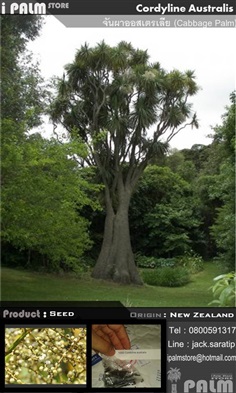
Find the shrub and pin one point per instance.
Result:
(224, 290)
(193, 262)
(165, 262)
(144, 261)
(174, 277)
(151, 277)
(166, 277)
(152, 262)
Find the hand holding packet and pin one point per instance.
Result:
(137, 367)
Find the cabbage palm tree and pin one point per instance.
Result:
(126, 110)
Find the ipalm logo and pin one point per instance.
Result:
(212, 386)
(174, 375)
(25, 8)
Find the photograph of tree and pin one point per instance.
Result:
(117, 164)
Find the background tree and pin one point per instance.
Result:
(196, 167)
(43, 192)
(223, 229)
(164, 208)
(210, 173)
(126, 110)
(22, 92)
(43, 189)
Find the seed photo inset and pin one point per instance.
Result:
(49, 355)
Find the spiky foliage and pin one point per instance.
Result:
(112, 97)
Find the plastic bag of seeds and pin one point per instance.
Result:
(138, 371)
(119, 373)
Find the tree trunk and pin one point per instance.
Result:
(116, 259)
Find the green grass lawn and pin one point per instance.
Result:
(25, 285)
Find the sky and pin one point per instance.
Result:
(207, 51)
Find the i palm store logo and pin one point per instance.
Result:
(173, 376)
(24, 8)
(219, 383)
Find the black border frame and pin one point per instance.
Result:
(88, 324)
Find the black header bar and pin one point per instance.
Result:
(45, 311)
(121, 7)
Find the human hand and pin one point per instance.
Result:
(107, 338)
